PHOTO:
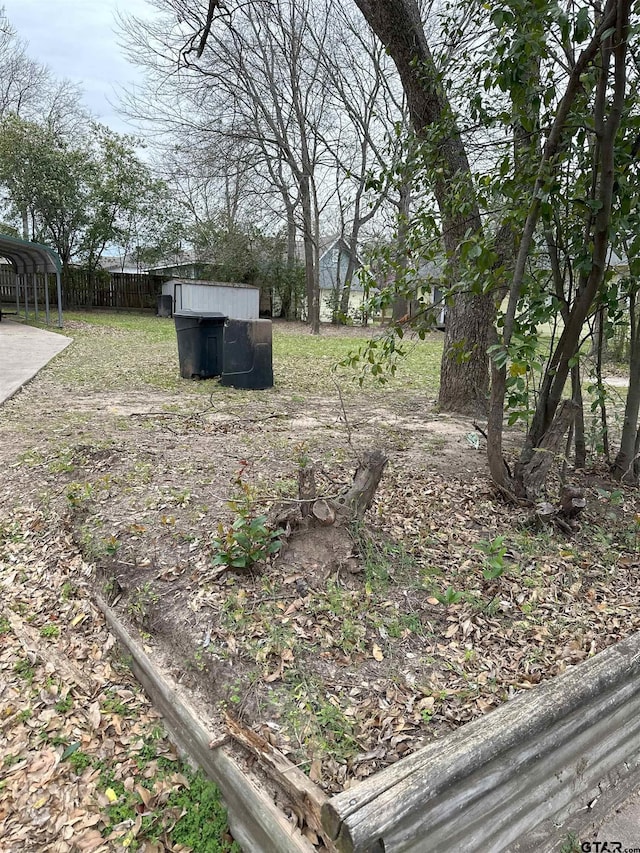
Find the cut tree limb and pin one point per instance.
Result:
(572, 501)
(323, 513)
(357, 499)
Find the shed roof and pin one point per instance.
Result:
(29, 257)
(205, 283)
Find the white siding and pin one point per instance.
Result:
(238, 301)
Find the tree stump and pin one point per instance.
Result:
(320, 542)
(531, 475)
(353, 504)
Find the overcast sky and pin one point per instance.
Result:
(77, 40)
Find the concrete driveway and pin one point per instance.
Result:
(620, 827)
(24, 351)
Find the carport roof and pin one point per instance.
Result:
(29, 257)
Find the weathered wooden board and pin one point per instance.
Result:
(256, 822)
(539, 758)
(309, 798)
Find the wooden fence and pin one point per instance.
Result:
(85, 289)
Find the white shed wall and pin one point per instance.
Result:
(237, 301)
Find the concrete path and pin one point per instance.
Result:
(621, 826)
(24, 351)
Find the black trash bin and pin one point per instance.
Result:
(165, 305)
(199, 343)
(248, 354)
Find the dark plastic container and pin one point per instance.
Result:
(200, 338)
(165, 305)
(248, 354)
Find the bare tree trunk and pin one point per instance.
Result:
(601, 401)
(401, 302)
(345, 295)
(577, 431)
(313, 301)
(624, 467)
(286, 295)
(464, 377)
(579, 442)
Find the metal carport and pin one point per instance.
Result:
(28, 260)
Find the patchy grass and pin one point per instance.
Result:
(139, 352)
(86, 763)
(448, 604)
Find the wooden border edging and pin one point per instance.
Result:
(518, 779)
(256, 822)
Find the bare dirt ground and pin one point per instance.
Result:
(445, 604)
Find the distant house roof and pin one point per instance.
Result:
(119, 263)
(325, 244)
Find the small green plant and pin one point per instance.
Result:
(5, 626)
(78, 493)
(113, 704)
(64, 705)
(426, 715)
(50, 632)
(202, 822)
(235, 693)
(494, 551)
(68, 591)
(10, 760)
(248, 540)
(449, 596)
(111, 545)
(180, 497)
(572, 844)
(141, 603)
(301, 455)
(45, 736)
(80, 761)
(199, 661)
(203, 825)
(24, 669)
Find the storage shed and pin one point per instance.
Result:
(237, 301)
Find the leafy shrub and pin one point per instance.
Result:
(247, 541)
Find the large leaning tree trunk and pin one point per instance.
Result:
(464, 382)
